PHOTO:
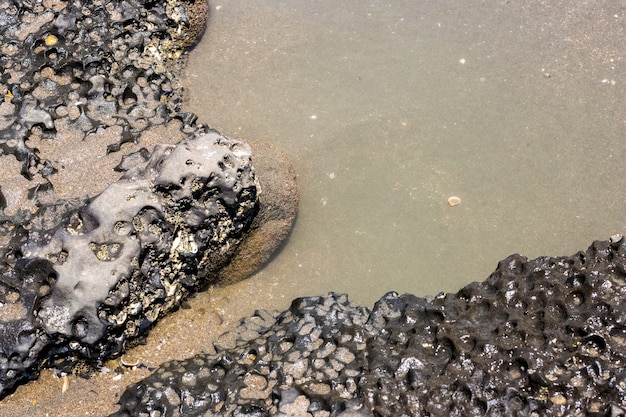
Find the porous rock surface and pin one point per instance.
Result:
(131, 254)
(83, 276)
(73, 70)
(545, 337)
(152, 235)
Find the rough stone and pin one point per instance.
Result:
(278, 201)
(85, 271)
(130, 255)
(544, 337)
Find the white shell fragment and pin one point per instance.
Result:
(454, 201)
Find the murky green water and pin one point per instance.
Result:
(389, 108)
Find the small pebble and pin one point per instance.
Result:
(51, 40)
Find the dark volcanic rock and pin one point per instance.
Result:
(79, 67)
(82, 277)
(127, 257)
(545, 337)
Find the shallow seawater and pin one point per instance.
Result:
(388, 108)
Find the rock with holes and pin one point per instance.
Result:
(70, 71)
(545, 337)
(86, 270)
(118, 263)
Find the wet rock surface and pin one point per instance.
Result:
(128, 256)
(74, 70)
(537, 338)
(82, 276)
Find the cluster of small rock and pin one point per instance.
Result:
(545, 337)
(82, 278)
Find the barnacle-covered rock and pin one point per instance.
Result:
(85, 271)
(127, 257)
(544, 337)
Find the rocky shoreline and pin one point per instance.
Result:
(93, 253)
(537, 338)
(96, 247)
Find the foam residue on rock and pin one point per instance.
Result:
(544, 337)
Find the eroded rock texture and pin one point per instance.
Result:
(545, 337)
(82, 276)
(72, 69)
(130, 255)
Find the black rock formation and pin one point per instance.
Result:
(545, 337)
(81, 66)
(82, 278)
(117, 264)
